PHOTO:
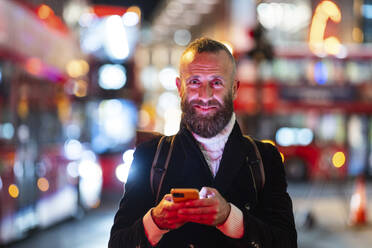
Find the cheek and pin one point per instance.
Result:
(219, 96)
(190, 95)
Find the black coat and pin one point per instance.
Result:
(268, 221)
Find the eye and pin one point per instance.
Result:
(193, 82)
(217, 83)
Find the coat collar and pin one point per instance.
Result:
(233, 158)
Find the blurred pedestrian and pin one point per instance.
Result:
(241, 204)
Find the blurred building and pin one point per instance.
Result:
(303, 65)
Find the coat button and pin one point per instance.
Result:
(247, 206)
(255, 245)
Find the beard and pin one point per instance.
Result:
(208, 125)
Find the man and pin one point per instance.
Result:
(208, 154)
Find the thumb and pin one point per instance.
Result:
(167, 197)
(207, 192)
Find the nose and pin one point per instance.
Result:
(205, 92)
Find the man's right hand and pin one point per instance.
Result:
(165, 214)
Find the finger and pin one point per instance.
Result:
(171, 206)
(169, 215)
(175, 221)
(201, 202)
(198, 211)
(201, 219)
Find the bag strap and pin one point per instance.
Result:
(255, 163)
(160, 165)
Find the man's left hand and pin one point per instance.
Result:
(211, 209)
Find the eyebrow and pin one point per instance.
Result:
(197, 77)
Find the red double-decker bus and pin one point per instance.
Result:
(317, 110)
(47, 172)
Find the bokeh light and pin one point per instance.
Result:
(43, 184)
(338, 159)
(167, 78)
(182, 37)
(130, 19)
(112, 76)
(13, 191)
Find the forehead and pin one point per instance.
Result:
(216, 62)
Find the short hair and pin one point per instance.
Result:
(208, 45)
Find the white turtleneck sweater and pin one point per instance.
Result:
(212, 149)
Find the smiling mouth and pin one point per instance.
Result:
(205, 108)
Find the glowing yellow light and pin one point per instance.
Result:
(77, 68)
(44, 11)
(338, 159)
(43, 184)
(84, 66)
(332, 45)
(269, 141)
(229, 46)
(80, 88)
(331, 10)
(324, 11)
(13, 191)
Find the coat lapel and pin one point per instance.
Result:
(194, 161)
(233, 158)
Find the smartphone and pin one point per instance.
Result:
(180, 195)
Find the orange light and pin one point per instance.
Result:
(282, 155)
(34, 66)
(136, 10)
(13, 191)
(80, 88)
(63, 108)
(44, 11)
(358, 35)
(269, 141)
(23, 109)
(338, 159)
(324, 11)
(43, 184)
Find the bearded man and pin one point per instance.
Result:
(209, 153)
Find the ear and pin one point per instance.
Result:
(235, 88)
(179, 85)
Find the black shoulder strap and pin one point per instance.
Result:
(160, 164)
(255, 163)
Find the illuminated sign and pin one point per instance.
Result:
(326, 10)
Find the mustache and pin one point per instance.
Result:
(209, 103)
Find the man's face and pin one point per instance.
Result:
(207, 87)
